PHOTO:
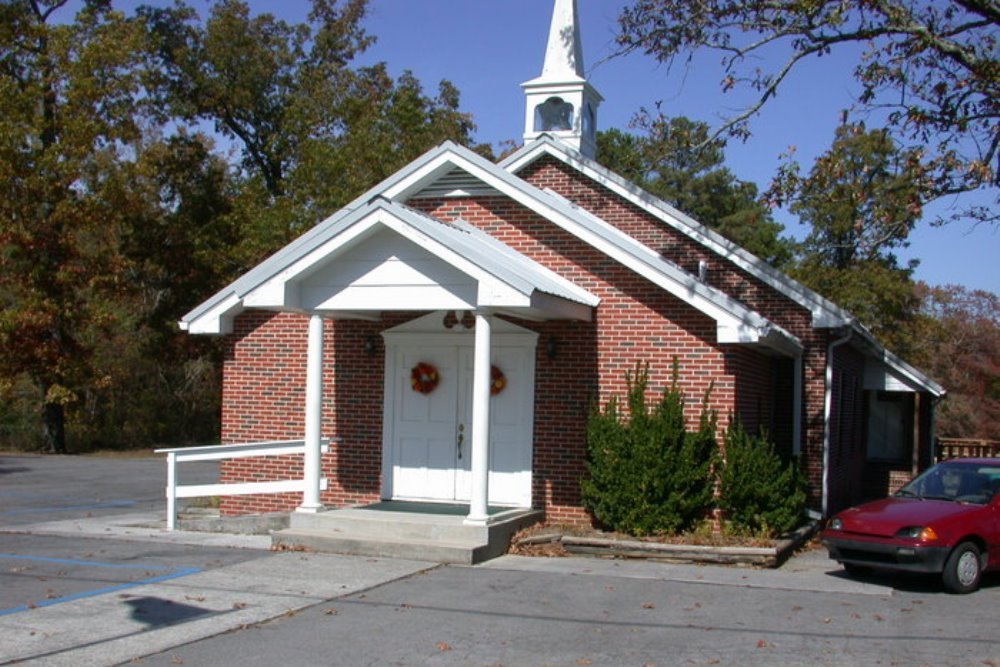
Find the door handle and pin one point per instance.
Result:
(460, 439)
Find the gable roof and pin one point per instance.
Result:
(825, 313)
(505, 278)
(736, 323)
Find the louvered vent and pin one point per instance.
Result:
(456, 183)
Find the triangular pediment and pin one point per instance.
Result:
(384, 256)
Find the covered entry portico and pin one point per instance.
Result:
(386, 257)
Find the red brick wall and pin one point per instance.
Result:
(636, 322)
(264, 399)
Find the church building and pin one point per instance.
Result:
(443, 338)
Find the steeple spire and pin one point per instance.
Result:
(564, 54)
(561, 101)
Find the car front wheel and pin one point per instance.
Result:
(963, 569)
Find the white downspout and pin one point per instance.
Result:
(827, 409)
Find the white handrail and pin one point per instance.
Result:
(219, 452)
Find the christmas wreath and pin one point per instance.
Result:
(424, 377)
(497, 381)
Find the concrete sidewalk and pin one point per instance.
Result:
(808, 571)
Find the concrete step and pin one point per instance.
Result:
(439, 536)
(437, 551)
(363, 523)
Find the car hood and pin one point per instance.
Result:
(885, 517)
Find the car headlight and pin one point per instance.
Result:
(923, 533)
(836, 523)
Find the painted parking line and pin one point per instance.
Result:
(171, 573)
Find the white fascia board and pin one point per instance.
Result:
(561, 308)
(216, 320)
(713, 302)
(425, 174)
(825, 314)
(494, 293)
(488, 283)
(276, 293)
(899, 368)
(492, 289)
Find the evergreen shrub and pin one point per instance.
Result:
(648, 474)
(760, 493)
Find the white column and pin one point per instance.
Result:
(314, 418)
(478, 513)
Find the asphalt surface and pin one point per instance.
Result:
(89, 576)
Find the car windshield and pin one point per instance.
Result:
(958, 482)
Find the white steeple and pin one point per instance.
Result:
(561, 102)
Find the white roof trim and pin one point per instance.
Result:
(903, 371)
(825, 313)
(505, 278)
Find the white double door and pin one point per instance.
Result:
(430, 435)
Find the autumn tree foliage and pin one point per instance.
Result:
(66, 92)
(929, 68)
(118, 213)
(312, 132)
(960, 347)
(859, 202)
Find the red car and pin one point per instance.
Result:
(945, 521)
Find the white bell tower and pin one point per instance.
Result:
(561, 102)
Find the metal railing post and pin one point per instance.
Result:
(171, 490)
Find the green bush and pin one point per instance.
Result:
(647, 474)
(760, 493)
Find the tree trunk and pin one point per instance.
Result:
(54, 428)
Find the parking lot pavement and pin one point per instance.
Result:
(120, 623)
(90, 576)
(574, 611)
(89, 583)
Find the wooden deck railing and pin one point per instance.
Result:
(950, 448)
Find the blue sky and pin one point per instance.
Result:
(488, 47)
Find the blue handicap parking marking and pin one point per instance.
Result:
(168, 574)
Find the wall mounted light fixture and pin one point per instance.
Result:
(552, 347)
(371, 345)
